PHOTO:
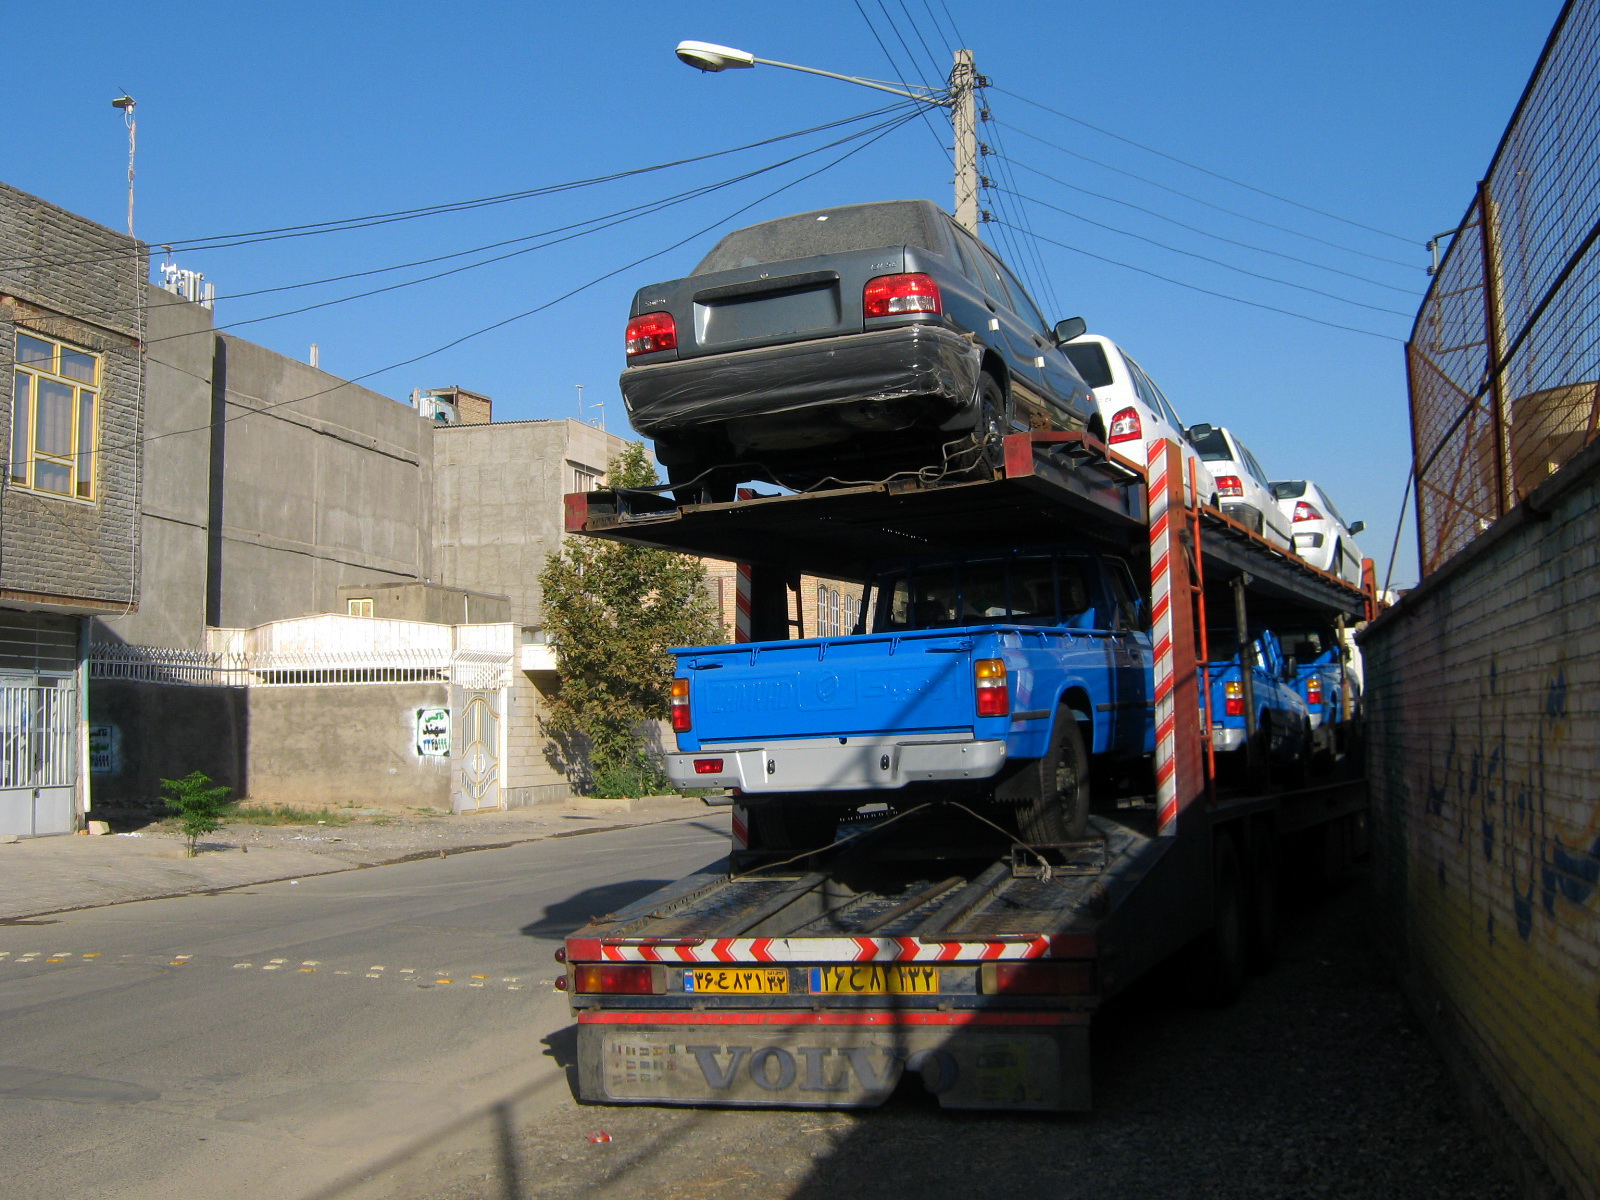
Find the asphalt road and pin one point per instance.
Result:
(269, 1041)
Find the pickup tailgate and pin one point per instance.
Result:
(823, 687)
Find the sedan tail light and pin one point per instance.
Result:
(1314, 690)
(1229, 485)
(682, 722)
(1125, 427)
(652, 332)
(616, 980)
(1233, 698)
(994, 690)
(891, 295)
(1306, 512)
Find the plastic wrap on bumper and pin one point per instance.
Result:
(887, 365)
(829, 765)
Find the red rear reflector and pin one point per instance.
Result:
(891, 295)
(994, 691)
(652, 332)
(1039, 979)
(1314, 690)
(682, 722)
(1306, 512)
(1125, 427)
(708, 766)
(1229, 485)
(607, 978)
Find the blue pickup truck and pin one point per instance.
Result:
(1321, 665)
(1282, 719)
(992, 677)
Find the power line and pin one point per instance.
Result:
(1214, 174)
(1216, 261)
(949, 49)
(939, 71)
(873, 29)
(1208, 203)
(1027, 223)
(1220, 295)
(1205, 232)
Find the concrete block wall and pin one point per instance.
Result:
(1483, 695)
(530, 777)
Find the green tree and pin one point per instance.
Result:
(198, 802)
(613, 611)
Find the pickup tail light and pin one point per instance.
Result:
(1229, 486)
(1125, 427)
(682, 722)
(1306, 512)
(652, 332)
(892, 295)
(1314, 690)
(1233, 698)
(613, 979)
(708, 766)
(1038, 979)
(994, 689)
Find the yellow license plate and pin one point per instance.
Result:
(875, 980)
(739, 981)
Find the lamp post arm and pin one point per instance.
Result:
(938, 100)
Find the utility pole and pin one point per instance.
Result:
(126, 104)
(964, 117)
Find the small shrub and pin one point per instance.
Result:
(198, 803)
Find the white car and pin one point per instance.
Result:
(1133, 411)
(1321, 536)
(1242, 483)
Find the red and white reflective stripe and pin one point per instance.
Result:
(741, 827)
(1162, 562)
(828, 949)
(741, 603)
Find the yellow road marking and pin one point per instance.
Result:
(308, 970)
(480, 977)
(372, 975)
(96, 954)
(55, 960)
(444, 980)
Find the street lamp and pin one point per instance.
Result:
(959, 98)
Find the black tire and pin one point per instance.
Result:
(1292, 774)
(790, 825)
(984, 456)
(1258, 766)
(1061, 812)
(1214, 964)
(1261, 913)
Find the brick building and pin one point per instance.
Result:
(71, 324)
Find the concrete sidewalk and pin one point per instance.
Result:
(40, 876)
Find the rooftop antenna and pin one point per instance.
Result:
(126, 103)
(579, 386)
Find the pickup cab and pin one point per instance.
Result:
(1321, 667)
(1282, 718)
(991, 678)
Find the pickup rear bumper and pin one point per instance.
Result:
(1223, 740)
(840, 373)
(839, 765)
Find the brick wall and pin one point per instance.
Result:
(65, 277)
(1483, 689)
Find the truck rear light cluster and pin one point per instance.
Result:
(1306, 512)
(682, 722)
(1125, 427)
(994, 689)
(612, 979)
(1038, 979)
(1233, 698)
(1314, 690)
(891, 295)
(708, 766)
(651, 332)
(1229, 486)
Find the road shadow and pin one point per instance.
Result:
(578, 909)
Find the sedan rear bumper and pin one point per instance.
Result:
(835, 765)
(921, 361)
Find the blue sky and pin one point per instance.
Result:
(263, 116)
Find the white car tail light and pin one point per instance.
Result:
(1306, 512)
(1230, 487)
(1125, 427)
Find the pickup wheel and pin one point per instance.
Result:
(1061, 813)
(1257, 759)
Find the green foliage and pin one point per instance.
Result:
(198, 804)
(287, 814)
(613, 611)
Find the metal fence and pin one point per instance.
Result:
(477, 670)
(38, 733)
(1504, 358)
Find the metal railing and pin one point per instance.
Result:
(38, 733)
(1504, 358)
(474, 670)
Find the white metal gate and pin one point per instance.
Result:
(478, 736)
(38, 754)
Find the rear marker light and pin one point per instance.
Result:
(1314, 690)
(607, 979)
(994, 690)
(1233, 698)
(651, 332)
(1125, 427)
(1229, 485)
(892, 295)
(1306, 512)
(1039, 979)
(682, 722)
(708, 766)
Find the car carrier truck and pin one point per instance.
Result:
(928, 927)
